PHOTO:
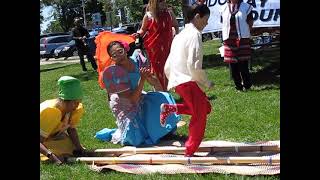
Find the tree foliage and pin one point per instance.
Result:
(54, 26)
(41, 16)
(64, 11)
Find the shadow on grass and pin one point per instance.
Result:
(86, 76)
(54, 68)
(180, 100)
(212, 97)
(173, 140)
(213, 60)
(266, 69)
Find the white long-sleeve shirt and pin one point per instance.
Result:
(184, 62)
(242, 26)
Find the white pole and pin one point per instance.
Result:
(84, 15)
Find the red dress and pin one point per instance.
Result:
(158, 42)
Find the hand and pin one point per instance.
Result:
(145, 73)
(136, 35)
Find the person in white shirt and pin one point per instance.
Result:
(184, 71)
(237, 20)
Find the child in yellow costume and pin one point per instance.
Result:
(58, 121)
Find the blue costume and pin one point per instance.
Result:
(138, 124)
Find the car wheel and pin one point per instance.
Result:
(75, 53)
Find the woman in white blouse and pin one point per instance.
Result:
(237, 20)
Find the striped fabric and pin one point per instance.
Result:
(236, 49)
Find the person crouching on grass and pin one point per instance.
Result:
(183, 69)
(58, 120)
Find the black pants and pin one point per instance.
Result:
(81, 53)
(240, 73)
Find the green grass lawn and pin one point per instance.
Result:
(237, 116)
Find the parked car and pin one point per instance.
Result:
(66, 51)
(126, 29)
(70, 49)
(54, 34)
(49, 44)
(180, 23)
(107, 28)
(94, 32)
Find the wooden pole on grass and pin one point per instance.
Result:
(181, 150)
(180, 160)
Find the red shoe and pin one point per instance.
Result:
(165, 111)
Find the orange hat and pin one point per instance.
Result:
(103, 58)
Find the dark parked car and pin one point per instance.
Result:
(49, 44)
(70, 49)
(66, 51)
(54, 34)
(126, 29)
(94, 32)
(180, 23)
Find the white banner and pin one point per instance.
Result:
(266, 13)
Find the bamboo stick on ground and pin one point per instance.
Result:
(180, 150)
(181, 160)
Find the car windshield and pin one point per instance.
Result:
(72, 42)
(180, 22)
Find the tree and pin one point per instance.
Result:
(53, 27)
(66, 10)
(107, 8)
(177, 6)
(136, 10)
(95, 6)
(41, 16)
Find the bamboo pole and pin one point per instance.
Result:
(180, 160)
(181, 150)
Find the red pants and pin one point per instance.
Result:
(198, 106)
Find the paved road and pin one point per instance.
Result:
(74, 59)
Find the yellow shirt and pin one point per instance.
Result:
(51, 118)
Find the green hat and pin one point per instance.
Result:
(69, 88)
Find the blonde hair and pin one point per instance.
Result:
(153, 7)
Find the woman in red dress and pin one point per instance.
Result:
(157, 26)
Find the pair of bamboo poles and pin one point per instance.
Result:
(270, 160)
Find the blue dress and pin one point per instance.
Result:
(138, 124)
